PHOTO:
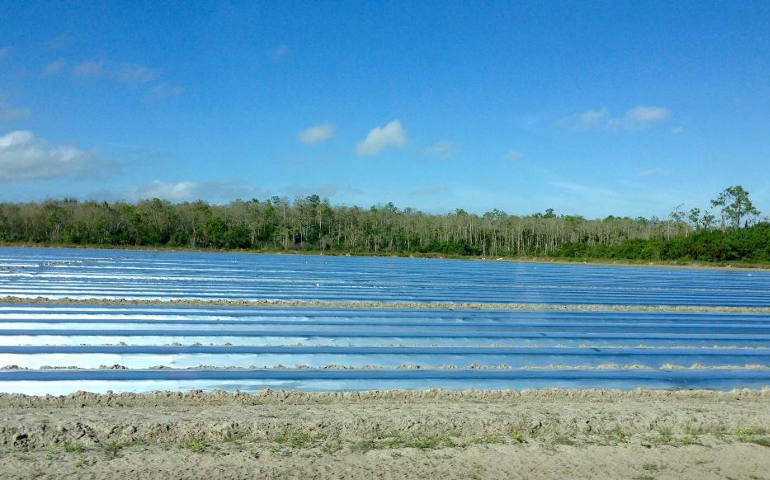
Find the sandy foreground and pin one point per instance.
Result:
(389, 434)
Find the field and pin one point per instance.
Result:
(433, 367)
(146, 275)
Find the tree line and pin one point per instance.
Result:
(313, 224)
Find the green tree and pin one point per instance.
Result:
(310, 223)
(694, 216)
(735, 204)
(707, 220)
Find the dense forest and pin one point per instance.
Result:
(312, 224)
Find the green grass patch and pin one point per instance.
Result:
(296, 438)
(563, 440)
(428, 442)
(692, 430)
(195, 445)
(365, 445)
(332, 445)
(664, 437)
(689, 440)
(73, 448)
(112, 449)
(763, 441)
(747, 434)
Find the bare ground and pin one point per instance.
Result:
(349, 304)
(389, 434)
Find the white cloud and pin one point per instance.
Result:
(441, 150)
(122, 72)
(591, 118)
(637, 118)
(226, 191)
(169, 191)
(25, 156)
(587, 120)
(316, 134)
(513, 155)
(4, 51)
(132, 73)
(379, 138)
(677, 130)
(642, 116)
(159, 92)
(191, 191)
(9, 112)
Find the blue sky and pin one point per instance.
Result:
(624, 108)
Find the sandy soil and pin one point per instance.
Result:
(389, 434)
(12, 300)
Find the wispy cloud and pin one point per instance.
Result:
(4, 51)
(624, 200)
(512, 156)
(123, 72)
(677, 130)
(55, 67)
(24, 156)
(179, 191)
(316, 134)
(643, 117)
(163, 91)
(441, 150)
(636, 118)
(279, 52)
(592, 118)
(88, 68)
(190, 191)
(587, 120)
(59, 42)
(132, 73)
(650, 172)
(9, 112)
(391, 135)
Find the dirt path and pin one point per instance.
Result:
(433, 434)
(365, 304)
